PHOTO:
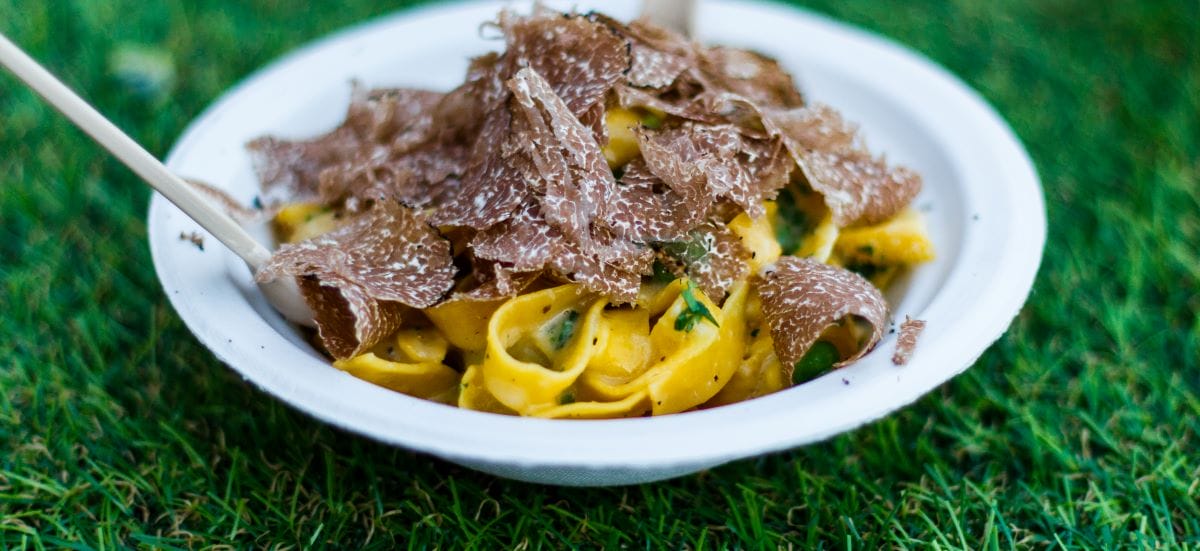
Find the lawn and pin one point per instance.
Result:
(1079, 429)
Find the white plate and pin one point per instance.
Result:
(982, 197)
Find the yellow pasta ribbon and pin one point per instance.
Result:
(420, 345)
(622, 144)
(624, 351)
(463, 322)
(820, 243)
(757, 235)
(538, 344)
(301, 221)
(688, 367)
(901, 240)
(428, 380)
(473, 394)
(634, 405)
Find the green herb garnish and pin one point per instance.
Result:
(694, 312)
(661, 273)
(819, 359)
(567, 397)
(652, 121)
(864, 269)
(689, 251)
(565, 329)
(791, 223)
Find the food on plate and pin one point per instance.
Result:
(906, 341)
(604, 220)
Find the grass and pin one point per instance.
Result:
(1079, 429)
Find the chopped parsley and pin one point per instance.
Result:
(565, 330)
(819, 359)
(791, 223)
(567, 397)
(694, 312)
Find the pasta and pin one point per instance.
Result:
(644, 233)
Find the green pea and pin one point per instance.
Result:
(819, 359)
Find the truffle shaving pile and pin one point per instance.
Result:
(476, 193)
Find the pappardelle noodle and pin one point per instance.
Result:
(605, 220)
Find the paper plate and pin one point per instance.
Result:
(981, 197)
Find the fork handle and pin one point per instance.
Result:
(105, 133)
(677, 15)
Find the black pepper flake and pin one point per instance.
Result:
(194, 238)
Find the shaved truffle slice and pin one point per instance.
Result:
(762, 170)
(414, 178)
(659, 54)
(712, 256)
(524, 242)
(527, 243)
(906, 341)
(594, 120)
(492, 186)
(462, 111)
(674, 158)
(377, 122)
(858, 188)
(349, 321)
(290, 171)
(580, 59)
(489, 281)
(717, 162)
(567, 163)
(400, 117)
(389, 252)
(682, 107)
(620, 285)
(410, 168)
(754, 76)
(817, 127)
(640, 212)
(801, 298)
